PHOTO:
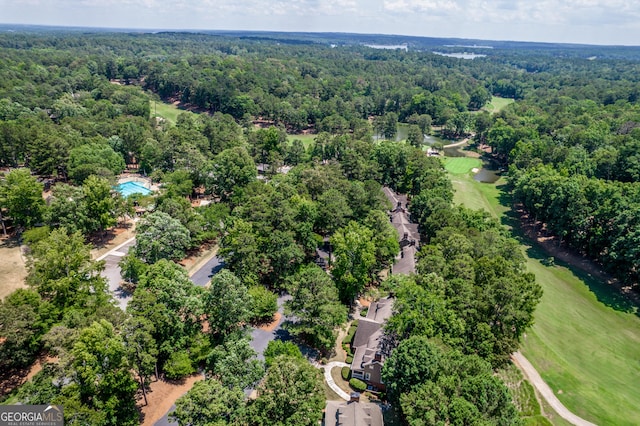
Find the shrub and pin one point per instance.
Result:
(358, 384)
(178, 366)
(276, 348)
(32, 236)
(346, 372)
(352, 332)
(348, 350)
(363, 312)
(264, 304)
(349, 360)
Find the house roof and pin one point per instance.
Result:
(381, 310)
(352, 414)
(369, 337)
(366, 328)
(405, 264)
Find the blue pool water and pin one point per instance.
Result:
(128, 188)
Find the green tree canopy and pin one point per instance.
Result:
(233, 363)
(159, 236)
(61, 270)
(291, 394)
(94, 159)
(316, 308)
(24, 318)
(232, 169)
(98, 367)
(21, 195)
(227, 303)
(209, 403)
(434, 386)
(355, 255)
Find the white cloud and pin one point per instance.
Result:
(412, 6)
(604, 21)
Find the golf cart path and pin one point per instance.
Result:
(546, 392)
(462, 142)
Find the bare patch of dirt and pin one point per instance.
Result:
(339, 353)
(161, 396)
(13, 270)
(199, 256)
(40, 362)
(273, 324)
(364, 302)
(113, 238)
(16, 378)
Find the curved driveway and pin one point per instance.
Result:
(329, 379)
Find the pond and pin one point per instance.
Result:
(457, 151)
(486, 176)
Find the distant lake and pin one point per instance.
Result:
(464, 55)
(389, 46)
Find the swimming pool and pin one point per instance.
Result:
(128, 188)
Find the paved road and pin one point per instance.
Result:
(203, 275)
(261, 338)
(329, 379)
(547, 393)
(112, 271)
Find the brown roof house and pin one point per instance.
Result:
(352, 413)
(371, 345)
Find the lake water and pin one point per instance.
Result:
(464, 55)
(389, 46)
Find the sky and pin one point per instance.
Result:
(570, 21)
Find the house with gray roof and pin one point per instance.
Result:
(352, 413)
(408, 235)
(370, 345)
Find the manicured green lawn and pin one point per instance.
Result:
(167, 111)
(461, 165)
(307, 140)
(586, 340)
(497, 104)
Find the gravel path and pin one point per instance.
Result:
(546, 392)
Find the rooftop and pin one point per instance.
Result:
(352, 414)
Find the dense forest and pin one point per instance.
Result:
(76, 109)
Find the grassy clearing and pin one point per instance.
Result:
(497, 104)
(167, 111)
(307, 140)
(469, 192)
(585, 341)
